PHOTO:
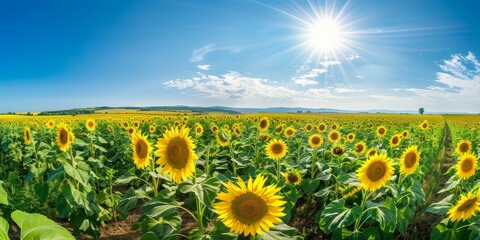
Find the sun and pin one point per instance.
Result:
(325, 36)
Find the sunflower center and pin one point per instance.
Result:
(263, 123)
(321, 127)
(141, 148)
(27, 133)
(350, 137)
(376, 171)
(467, 205)
(467, 165)
(338, 150)
(199, 130)
(464, 147)
(424, 125)
(309, 127)
(90, 124)
(410, 159)
(405, 134)
(292, 178)
(289, 132)
(373, 152)
(249, 208)
(334, 136)
(63, 136)
(315, 140)
(381, 130)
(359, 148)
(277, 148)
(178, 153)
(395, 140)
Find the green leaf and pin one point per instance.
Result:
(149, 236)
(310, 186)
(102, 140)
(417, 191)
(280, 232)
(442, 207)
(336, 215)
(128, 202)
(79, 142)
(3, 194)
(4, 226)
(441, 232)
(126, 178)
(79, 173)
(385, 214)
(41, 189)
(37, 226)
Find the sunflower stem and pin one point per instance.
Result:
(314, 159)
(154, 180)
(278, 169)
(365, 196)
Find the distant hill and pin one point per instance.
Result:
(221, 109)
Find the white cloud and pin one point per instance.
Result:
(458, 87)
(360, 77)
(352, 56)
(199, 53)
(205, 67)
(232, 85)
(328, 63)
(348, 90)
(308, 78)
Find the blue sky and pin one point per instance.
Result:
(398, 55)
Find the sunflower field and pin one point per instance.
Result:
(257, 176)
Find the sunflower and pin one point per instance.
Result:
(90, 124)
(176, 152)
(50, 124)
(63, 137)
(334, 126)
(141, 150)
(375, 172)
(263, 125)
(359, 148)
(198, 130)
(27, 135)
(381, 131)
(350, 137)
(315, 141)
(338, 150)
(289, 132)
(237, 132)
(293, 177)
(405, 134)
(322, 127)
(395, 140)
(410, 160)
(131, 130)
(250, 208)
(214, 128)
(424, 125)
(464, 146)
(279, 129)
(466, 166)
(465, 207)
(223, 138)
(308, 127)
(263, 137)
(333, 136)
(276, 149)
(152, 128)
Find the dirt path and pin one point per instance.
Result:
(433, 182)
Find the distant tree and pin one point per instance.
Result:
(421, 110)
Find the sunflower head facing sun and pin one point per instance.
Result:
(466, 166)
(375, 172)
(359, 148)
(90, 124)
(289, 132)
(334, 136)
(315, 140)
(176, 154)
(276, 149)
(465, 207)
(293, 176)
(263, 124)
(141, 150)
(250, 208)
(64, 137)
(409, 160)
(464, 146)
(27, 135)
(381, 131)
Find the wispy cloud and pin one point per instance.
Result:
(352, 56)
(457, 88)
(308, 78)
(205, 67)
(199, 53)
